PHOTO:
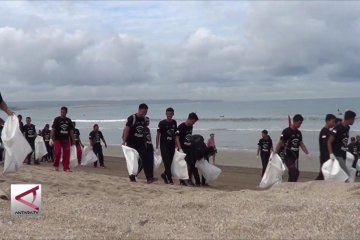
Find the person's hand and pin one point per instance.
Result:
(105, 145)
(9, 112)
(51, 142)
(180, 150)
(157, 151)
(332, 156)
(257, 156)
(309, 156)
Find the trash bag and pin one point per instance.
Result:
(15, 144)
(73, 157)
(349, 165)
(332, 171)
(84, 151)
(40, 148)
(274, 172)
(132, 158)
(89, 158)
(179, 167)
(209, 171)
(358, 165)
(157, 161)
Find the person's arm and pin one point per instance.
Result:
(258, 152)
(178, 145)
(91, 141)
(5, 108)
(330, 148)
(103, 139)
(126, 134)
(81, 144)
(72, 138)
(158, 135)
(279, 146)
(303, 147)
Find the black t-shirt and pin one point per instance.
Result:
(292, 139)
(136, 135)
(265, 145)
(184, 132)
(147, 135)
(76, 136)
(323, 140)
(96, 137)
(353, 148)
(21, 126)
(62, 127)
(167, 130)
(46, 135)
(341, 135)
(1, 128)
(30, 132)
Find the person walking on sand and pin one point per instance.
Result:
(148, 165)
(212, 147)
(49, 149)
(291, 139)
(62, 136)
(78, 142)
(133, 135)
(338, 140)
(4, 106)
(183, 142)
(166, 137)
(265, 147)
(323, 139)
(95, 138)
(30, 135)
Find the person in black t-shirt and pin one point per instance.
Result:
(4, 107)
(148, 165)
(338, 140)
(30, 135)
(265, 147)
(183, 142)
(95, 138)
(21, 124)
(166, 137)
(1, 143)
(291, 139)
(78, 142)
(323, 139)
(62, 135)
(133, 135)
(46, 137)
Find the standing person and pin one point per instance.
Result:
(78, 142)
(323, 139)
(49, 149)
(133, 135)
(338, 140)
(95, 138)
(21, 124)
(212, 147)
(30, 135)
(358, 147)
(62, 135)
(166, 137)
(291, 139)
(149, 163)
(265, 147)
(4, 107)
(353, 149)
(1, 143)
(183, 142)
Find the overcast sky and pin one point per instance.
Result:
(198, 50)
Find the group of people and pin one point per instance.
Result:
(333, 144)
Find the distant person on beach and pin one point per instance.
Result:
(338, 140)
(211, 145)
(49, 149)
(183, 142)
(1, 143)
(78, 142)
(353, 149)
(358, 148)
(95, 138)
(4, 107)
(21, 124)
(148, 164)
(265, 147)
(30, 135)
(133, 135)
(323, 139)
(62, 136)
(166, 138)
(291, 139)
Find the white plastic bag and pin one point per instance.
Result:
(157, 161)
(84, 151)
(15, 144)
(209, 171)
(73, 157)
(179, 167)
(89, 158)
(349, 165)
(358, 165)
(274, 172)
(332, 171)
(132, 157)
(40, 147)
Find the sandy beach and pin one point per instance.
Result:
(96, 203)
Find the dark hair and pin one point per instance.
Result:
(330, 117)
(170, 109)
(349, 115)
(64, 108)
(264, 132)
(47, 125)
(95, 125)
(352, 139)
(298, 118)
(338, 120)
(28, 118)
(20, 116)
(193, 116)
(143, 106)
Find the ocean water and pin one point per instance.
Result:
(236, 125)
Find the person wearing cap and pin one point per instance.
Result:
(265, 147)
